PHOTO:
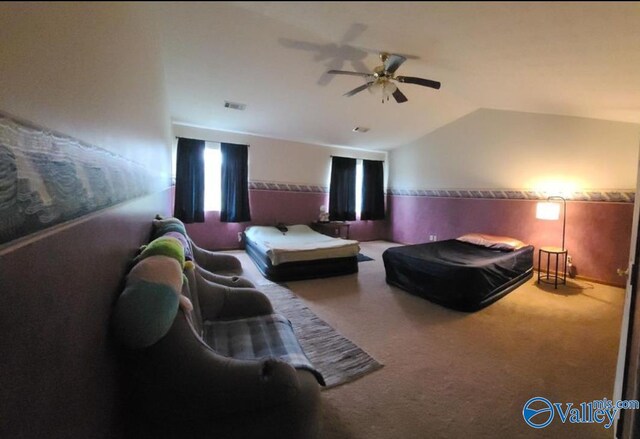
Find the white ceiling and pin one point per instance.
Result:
(566, 58)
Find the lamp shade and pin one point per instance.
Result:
(383, 88)
(548, 211)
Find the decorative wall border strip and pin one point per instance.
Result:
(286, 187)
(614, 196)
(602, 195)
(47, 178)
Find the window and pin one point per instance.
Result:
(212, 176)
(358, 188)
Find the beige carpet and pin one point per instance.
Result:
(449, 374)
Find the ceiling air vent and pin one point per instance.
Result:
(360, 130)
(235, 105)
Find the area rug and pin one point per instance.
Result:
(364, 258)
(337, 358)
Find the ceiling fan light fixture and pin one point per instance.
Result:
(383, 88)
(388, 89)
(382, 79)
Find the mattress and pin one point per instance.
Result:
(299, 253)
(457, 274)
(299, 243)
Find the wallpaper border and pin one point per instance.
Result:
(287, 187)
(48, 178)
(592, 195)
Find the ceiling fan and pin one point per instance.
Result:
(383, 78)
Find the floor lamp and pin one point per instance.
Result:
(551, 211)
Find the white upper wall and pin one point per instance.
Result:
(494, 149)
(281, 161)
(92, 71)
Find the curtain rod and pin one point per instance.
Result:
(343, 157)
(214, 141)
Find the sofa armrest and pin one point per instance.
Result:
(245, 302)
(218, 301)
(181, 376)
(228, 281)
(215, 262)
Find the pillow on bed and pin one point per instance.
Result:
(491, 241)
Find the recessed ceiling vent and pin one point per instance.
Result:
(234, 105)
(360, 130)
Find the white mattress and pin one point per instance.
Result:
(299, 243)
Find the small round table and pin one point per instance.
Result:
(553, 278)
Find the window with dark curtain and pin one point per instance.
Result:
(342, 189)
(189, 193)
(372, 190)
(234, 198)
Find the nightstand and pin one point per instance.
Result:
(335, 229)
(553, 278)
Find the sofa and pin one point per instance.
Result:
(204, 359)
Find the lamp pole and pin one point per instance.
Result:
(564, 214)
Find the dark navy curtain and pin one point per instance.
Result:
(372, 190)
(189, 193)
(342, 189)
(235, 183)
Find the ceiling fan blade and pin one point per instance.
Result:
(358, 89)
(343, 72)
(419, 81)
(392, 62)
(399, 96)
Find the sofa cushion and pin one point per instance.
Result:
(267, 336)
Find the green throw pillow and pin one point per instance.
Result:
(164, 246)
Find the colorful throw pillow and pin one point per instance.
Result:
(492, 241)
(175, 228)
(164, 246)
(188, 254)
(144, 313)
(165, 225)
(158, 269)
(147, 307)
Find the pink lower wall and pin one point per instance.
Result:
(269, 207)
(61, 372)
(598, 234)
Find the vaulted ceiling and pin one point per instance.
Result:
(567, 58)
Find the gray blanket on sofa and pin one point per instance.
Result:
(267, 336)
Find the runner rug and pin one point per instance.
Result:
(338, 359)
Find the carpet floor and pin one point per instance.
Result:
(450, 374)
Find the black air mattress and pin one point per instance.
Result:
(458, 275)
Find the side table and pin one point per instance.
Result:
(548, 277)
(335, 229)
